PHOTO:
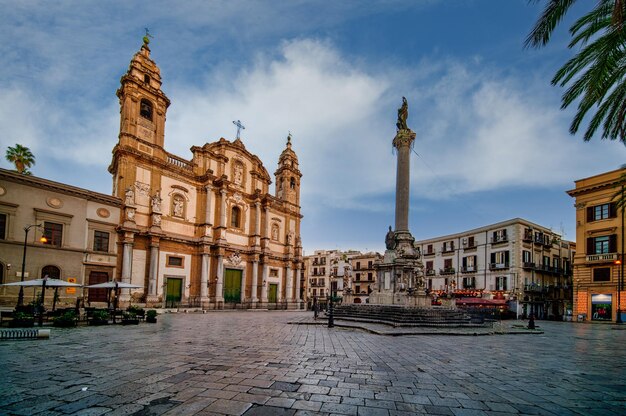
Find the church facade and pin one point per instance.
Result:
(201, 232)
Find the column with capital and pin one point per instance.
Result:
(208, 221)
(127, 264)
(257, 224)
(264, 284)
(223, 214)
(153, 272)
(255, 281)
(204, 279)
(289, 284)
(219, 286)
(298, 299)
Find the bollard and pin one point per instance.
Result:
(331, 318)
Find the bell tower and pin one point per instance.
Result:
(142, 103)
(288, 175)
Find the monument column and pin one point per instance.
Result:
(403, 142)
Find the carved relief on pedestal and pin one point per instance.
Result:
(129, 213)
(142, 193)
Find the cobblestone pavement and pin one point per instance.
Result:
(255, 363)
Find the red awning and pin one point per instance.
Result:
(481, 301)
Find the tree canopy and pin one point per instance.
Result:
(21, 157)
(595, 76)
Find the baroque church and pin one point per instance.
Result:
(205, 232)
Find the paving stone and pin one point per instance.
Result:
(372, 411)
(260, 355)
(227, 407)
(307, 405)
(269, 411)
(344, 409)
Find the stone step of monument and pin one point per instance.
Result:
(406, 316)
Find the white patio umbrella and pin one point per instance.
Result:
(43, 283)
(114, 285)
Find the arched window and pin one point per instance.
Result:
(145, 109)
(52, 272)
(235, 217)
(146, 79)
(292, 183)
(178, 206)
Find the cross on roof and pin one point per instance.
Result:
(239, 127)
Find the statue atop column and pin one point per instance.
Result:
(390, 239)
(403, 114)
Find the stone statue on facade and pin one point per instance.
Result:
(129, 194)
(403, 114)
(178, 206)
(156, 202)
(390, 239)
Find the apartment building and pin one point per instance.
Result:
(363, 275)
(317, 275)
(598, 268)
(524, 263)
(334, 271)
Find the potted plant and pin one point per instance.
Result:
(21, 320)
(139, 312)
(151, 316)
(129, 318)
(67, 320)
(99, 317)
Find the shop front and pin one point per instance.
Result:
(602, 307)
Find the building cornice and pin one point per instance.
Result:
(40, 183)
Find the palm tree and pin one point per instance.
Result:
(22, 157)
(596, 75)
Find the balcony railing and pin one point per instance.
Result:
(447, 249)
(429, 253)
(499, 239)
(528, 237)
(430, 272)
(528, 265)
(498, 266)
(447, 270)
(468, 269)
(179, 162)
(601, 258)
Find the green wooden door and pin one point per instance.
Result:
(272, 297)
(174, 292)
(232, 286)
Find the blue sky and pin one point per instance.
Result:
(491, 143)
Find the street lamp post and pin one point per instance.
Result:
(620, 271)
(20, 297)
(618, 320)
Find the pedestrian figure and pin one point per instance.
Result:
(316, 308)
(531, 321)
